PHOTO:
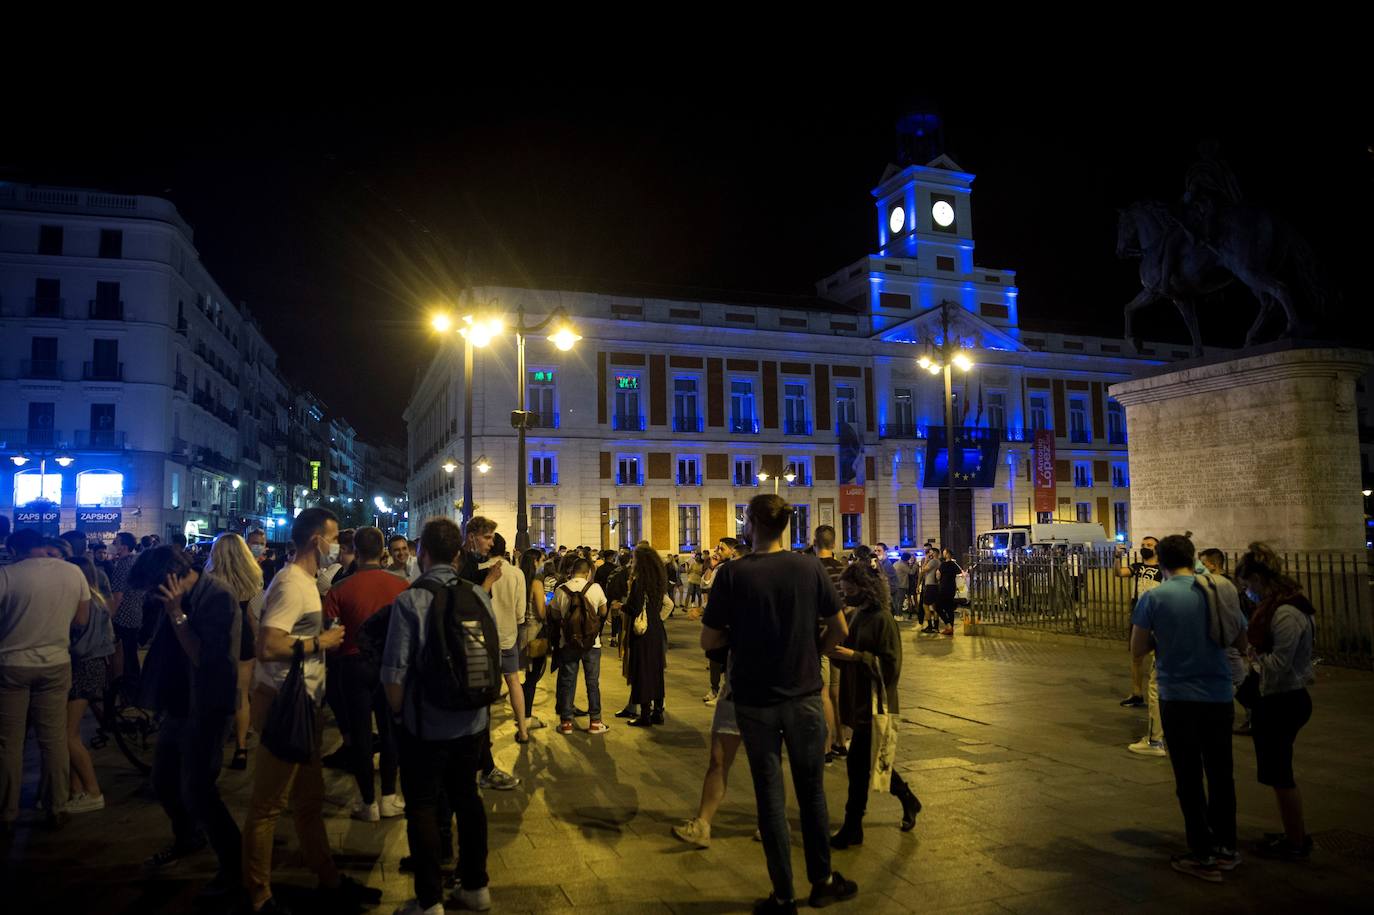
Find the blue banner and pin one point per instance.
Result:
(976, 453)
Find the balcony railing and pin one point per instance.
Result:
(543, 479)
(1119, 438)
(897, 430)
(1080, 436)
(687, 424)
(744, 426)
(627, 423)
(100, 438)
(29, 438)
(796, 426)
(543, 421)
(686, 479)
(1082, 482)
(102, 371)
(742, 481)
(40, 368)
(622, 479)
(106, 309)
(44, 307)
(803, 479)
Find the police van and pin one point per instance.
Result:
(1083, 535)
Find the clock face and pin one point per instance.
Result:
(942, 213)
(896, 219)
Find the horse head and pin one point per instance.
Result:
(1140, 227)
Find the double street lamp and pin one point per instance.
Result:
(790, 476)
(948, 355)
(478, 331)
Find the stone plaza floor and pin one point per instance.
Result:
(1017, 750)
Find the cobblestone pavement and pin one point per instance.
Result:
(1017, 749)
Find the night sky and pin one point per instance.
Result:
(342, 223)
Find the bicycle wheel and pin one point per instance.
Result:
(134, 728)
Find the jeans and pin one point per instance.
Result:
(1199, 738)
(38, 694)
(186, 764)
(568, 660)
(860, 766)
(363, 701)
(427, 767)
(532, 677)
(800, 723)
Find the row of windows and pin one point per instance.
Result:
(52, 241)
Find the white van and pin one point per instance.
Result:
(1083, 534)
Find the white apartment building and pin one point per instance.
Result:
(660, 421)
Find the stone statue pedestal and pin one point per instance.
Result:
(1260, 446)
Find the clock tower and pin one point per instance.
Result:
(923, 213)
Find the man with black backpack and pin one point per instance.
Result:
(441, 669)
(578, 609)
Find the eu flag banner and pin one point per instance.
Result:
(976, 457)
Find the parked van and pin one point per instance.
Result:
(1082, 534)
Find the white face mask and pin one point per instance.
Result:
(330, 554)
(258, 550)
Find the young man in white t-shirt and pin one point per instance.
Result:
(293, 617)
(569, 658)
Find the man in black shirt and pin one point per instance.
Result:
(766, 607)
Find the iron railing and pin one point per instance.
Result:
(1086, 593)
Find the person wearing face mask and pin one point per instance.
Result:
(256, 538)
(293, 619)
(1145, 574)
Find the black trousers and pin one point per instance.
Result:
(531, 681)
(186, 764)
(1199, 739)
(859, 764)
(363, 702)
(427, 768)
(717, 670)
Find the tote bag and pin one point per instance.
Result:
(883, 747)
(290, 729)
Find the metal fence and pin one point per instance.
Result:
(1085, 593)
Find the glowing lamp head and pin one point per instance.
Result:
(480, 331)
(963, 361)
(790, 476)
(1367, 492)
(449, 466)
(763, 476)
(483, 465)
(924, 362)
(564, 338)
(236, 483)
(441, 322)
(271, 489)
(19, 460)
(65, 460)
(933, 369)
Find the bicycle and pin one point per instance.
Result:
(133, 727)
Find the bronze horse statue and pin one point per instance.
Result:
(1244, 243)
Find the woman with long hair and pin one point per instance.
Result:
(231, 563)
(92, 648)
(538, 599)
(647, 651)
(872, 650)
(1280, 634)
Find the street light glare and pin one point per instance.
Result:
(441, 323)
(790, 477)
(65, 460)
(449, 466)
(482, 465)
(763, 476)
(564, 338)
(963, 361)
(933, 369)
(923, 362)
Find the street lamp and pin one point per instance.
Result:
(450, 465)
(790, 476)
(475, 331)
(937, 360)
(61, 458)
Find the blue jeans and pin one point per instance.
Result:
(800, 723)
(568, 660)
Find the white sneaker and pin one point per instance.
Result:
(710, 697)
(367, 813)
(391, 806)
(694, 832)
(85, 803)
(1147, 747)
(413, 908)
(472, 900)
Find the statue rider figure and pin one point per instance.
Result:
(1209, 187)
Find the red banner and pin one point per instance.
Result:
(851, 500)
(1044, 471)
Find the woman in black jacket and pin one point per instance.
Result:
(646, 652)
(872, 649)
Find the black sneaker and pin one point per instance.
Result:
(172, 854)
(628, 712)
(1133, 702)
(1195, 866)
(840, 751)
(836, 889)
(1276, 846)
(772, 905)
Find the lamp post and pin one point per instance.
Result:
(482, 466)
(475, 331)
(61, 458)
(790, 476)
(564, 338)
(943, 359)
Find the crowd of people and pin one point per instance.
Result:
(408, 644)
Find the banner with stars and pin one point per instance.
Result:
(975, 460)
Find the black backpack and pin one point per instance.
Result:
(460, 665)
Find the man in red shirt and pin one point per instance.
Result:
(352, 602)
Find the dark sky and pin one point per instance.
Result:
(342, 223)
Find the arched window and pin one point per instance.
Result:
(102, 488)
(27, 482)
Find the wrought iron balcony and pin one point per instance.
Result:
(627, 423)
(744, 426)
(543, 421)
(543, 479)
(106, 309)
(685, 479)
(102, 371)
(46, 307)
(40, 368)
(796, 426)
(687, 424)
(629, 479)
(1080, 436)
(897, 430)
(100, 438)
(12, 439)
